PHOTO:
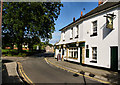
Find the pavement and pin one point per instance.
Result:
(105, 76)
(9, 73)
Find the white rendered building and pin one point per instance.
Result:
(93, 39)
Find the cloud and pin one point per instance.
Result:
(56, 34)
(55, 37)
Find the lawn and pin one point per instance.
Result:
(14, 52)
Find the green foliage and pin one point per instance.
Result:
(26, 22)
(9, 52)
(14, 52)
(22, 55)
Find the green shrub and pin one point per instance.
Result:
(21, 54)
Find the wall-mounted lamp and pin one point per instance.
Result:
(77, 43)
(59, 46)
(64, 46)
(87, 46)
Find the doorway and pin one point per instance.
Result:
(82, 55)
(114, 58)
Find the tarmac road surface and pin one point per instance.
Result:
(38, 71)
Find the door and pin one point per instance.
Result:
(62, 53)
(82, 55)
(114, 58)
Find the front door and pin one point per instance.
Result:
(82, 55)
(114, 58)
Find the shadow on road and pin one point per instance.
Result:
(6, 61)
(76, 75)
(44, 55)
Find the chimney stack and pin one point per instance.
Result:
(81, 14)
(100, 2)
(74, 19)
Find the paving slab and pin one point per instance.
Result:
(107, 75)
(9, 74)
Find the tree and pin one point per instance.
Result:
(23, 20)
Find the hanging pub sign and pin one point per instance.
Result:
(109, 20)
(109, 23)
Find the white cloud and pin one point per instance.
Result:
(56, 34)
(55, 37)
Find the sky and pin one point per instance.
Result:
(68, 11)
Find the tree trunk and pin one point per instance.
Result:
(19, 47)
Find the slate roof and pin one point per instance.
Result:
(96, 10)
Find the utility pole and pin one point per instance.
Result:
(1, 29)
(1, 43)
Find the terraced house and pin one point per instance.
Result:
(93, 39)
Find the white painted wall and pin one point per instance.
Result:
(102, 43)
(119, 38)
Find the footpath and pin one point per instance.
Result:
(103, 76)
(9, 73)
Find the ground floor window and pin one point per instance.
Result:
(87, 53)
(73, 52)
(94, 53)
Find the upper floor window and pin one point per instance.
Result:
(76, 31)
(94, 28)
(71, 33)
(64, 36)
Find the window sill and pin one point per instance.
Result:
(76, 36)
(93, 61)
(94, 34)
(73, 58)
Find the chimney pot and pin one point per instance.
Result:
(81, 14)
(100, 2)
(74, 19)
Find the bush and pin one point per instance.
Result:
(21, 54)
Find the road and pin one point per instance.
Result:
(39, 71)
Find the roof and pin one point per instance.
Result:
(96, 10)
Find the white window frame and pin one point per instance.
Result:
(76, 31)
(94, 53)
(92, 26)
(71, 33)
(73, 49)
(63, 35)
(95, 27)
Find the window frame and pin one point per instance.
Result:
(94, 28)
(63, 35)
(87, 53)
(77, 28)
(71, 33)
(73, 50)
(94, 60)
